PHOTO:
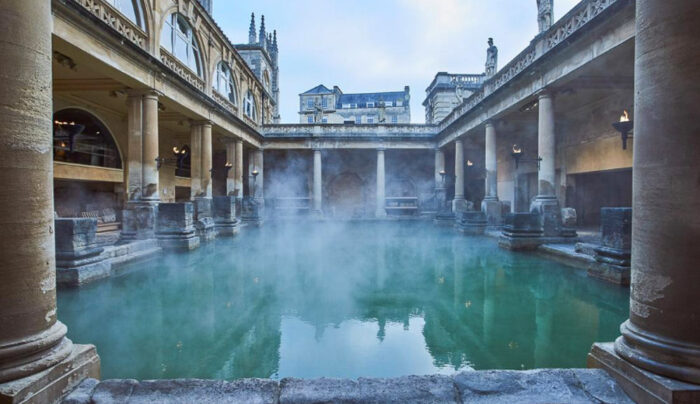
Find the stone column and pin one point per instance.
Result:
(663, 332)
(238, 167)
(491, 206)
(318, 183)
(150, 146)
(206, 160)
(459, 203)
(546, 203)
(134, 166)
(256, 163)
(439, 166)
(195, 161)
(32, 340)
(231, 175)
(381, 183)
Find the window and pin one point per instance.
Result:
(353, 105)
(249, 107)
(131, 10)
(224, 83)
(266, 80)
(310, 103)
(310, 119)
(370, 105)
(370, 119)
(80, 138)
(399, 103)
(324, 120)
(346, 106)
(324, 102)
(394, 119)
(388, 104)
(178, 39)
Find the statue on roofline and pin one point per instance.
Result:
(544, 14)
(491, 59)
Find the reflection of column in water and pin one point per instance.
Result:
(543, 292)
(381, 264)
(457, 270)
(489, 310)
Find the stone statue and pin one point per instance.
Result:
(544, 14)
(318, 112)
(491, 59)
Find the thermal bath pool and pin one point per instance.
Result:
(364, 299)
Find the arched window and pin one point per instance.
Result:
(266, 80)
(131, 9)
(224, 83)
(80, 138)
(249, 107)
(178, 39)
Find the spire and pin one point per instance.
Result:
(262, 34)
(274, 40)
(251, 31)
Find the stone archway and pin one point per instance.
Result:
(346, 195)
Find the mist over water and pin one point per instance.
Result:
(342, 300)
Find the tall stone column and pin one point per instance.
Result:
(238, 168)
(381, 184)
(150, 146)
(318, 183)
(459, 202)
(546, 203)
(195, 161)
(32, 340)
(206, 160)
(256, 164)
(491, 206)
(663, 332)
(134, 160)
(231, 175)
(439, 167)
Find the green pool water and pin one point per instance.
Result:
(362, 299)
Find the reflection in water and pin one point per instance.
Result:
(311, 300)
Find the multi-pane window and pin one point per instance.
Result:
(388, 104)
(310, 119)
(178, 39)
(131, 10)
(324, 102)
(249, 106)
(370, 105)
(310, 103)
(324, 120)
(394, 119)
(399, 103)
(224, 83)
(370, 119)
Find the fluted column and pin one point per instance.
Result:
(318, 182)
(491, 163)
(458, 202)
(206, 160)
(439, 167)
(195, 161)
(381, 184)
(150, 146)
(238, 168)
(662, 334)
(31, 338)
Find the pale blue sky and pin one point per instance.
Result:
(382, 45)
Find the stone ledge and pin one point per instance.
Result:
(497, 386)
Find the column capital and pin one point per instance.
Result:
(489, 123)
(544, 92)
(202, 122)
(381, 148)
(143, 92)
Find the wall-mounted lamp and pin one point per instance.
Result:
(228, 167)
(179, 155)
(443, 174)
(517, 154)
(625, 126)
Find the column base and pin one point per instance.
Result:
(547, 207)
(471, 223)
(641, 385)
(139, 221)
(461, 205)
(493, 208)
(54, 383)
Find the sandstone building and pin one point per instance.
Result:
(322, 105)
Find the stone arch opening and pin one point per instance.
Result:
(79, 137)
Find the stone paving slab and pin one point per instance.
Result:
(570, 386)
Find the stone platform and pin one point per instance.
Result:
(498, 386)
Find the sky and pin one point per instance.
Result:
(382, 45)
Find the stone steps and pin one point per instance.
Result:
(497, 386)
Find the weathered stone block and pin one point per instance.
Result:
(616, 228)
(225, 215)
(568, 217)
(252, 210)
(138, 221)
(521, 231)
(78, 259)
(548, 211)
(471, 223)
(204, 220)
(493, 210)
(175, 227)
(614, 255)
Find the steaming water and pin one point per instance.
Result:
(369, 299)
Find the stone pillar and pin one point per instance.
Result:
(662, 335)
(381, 184)
(318, 183)
(206, 160)
(37, 361)
(134, 161)
(459, 203)
(195, 161)
(231, 175)
(150, 146)
(546, 204)
(663, 332)
(439, 167)
(255, 163)
(491, 206)
(238, 167)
